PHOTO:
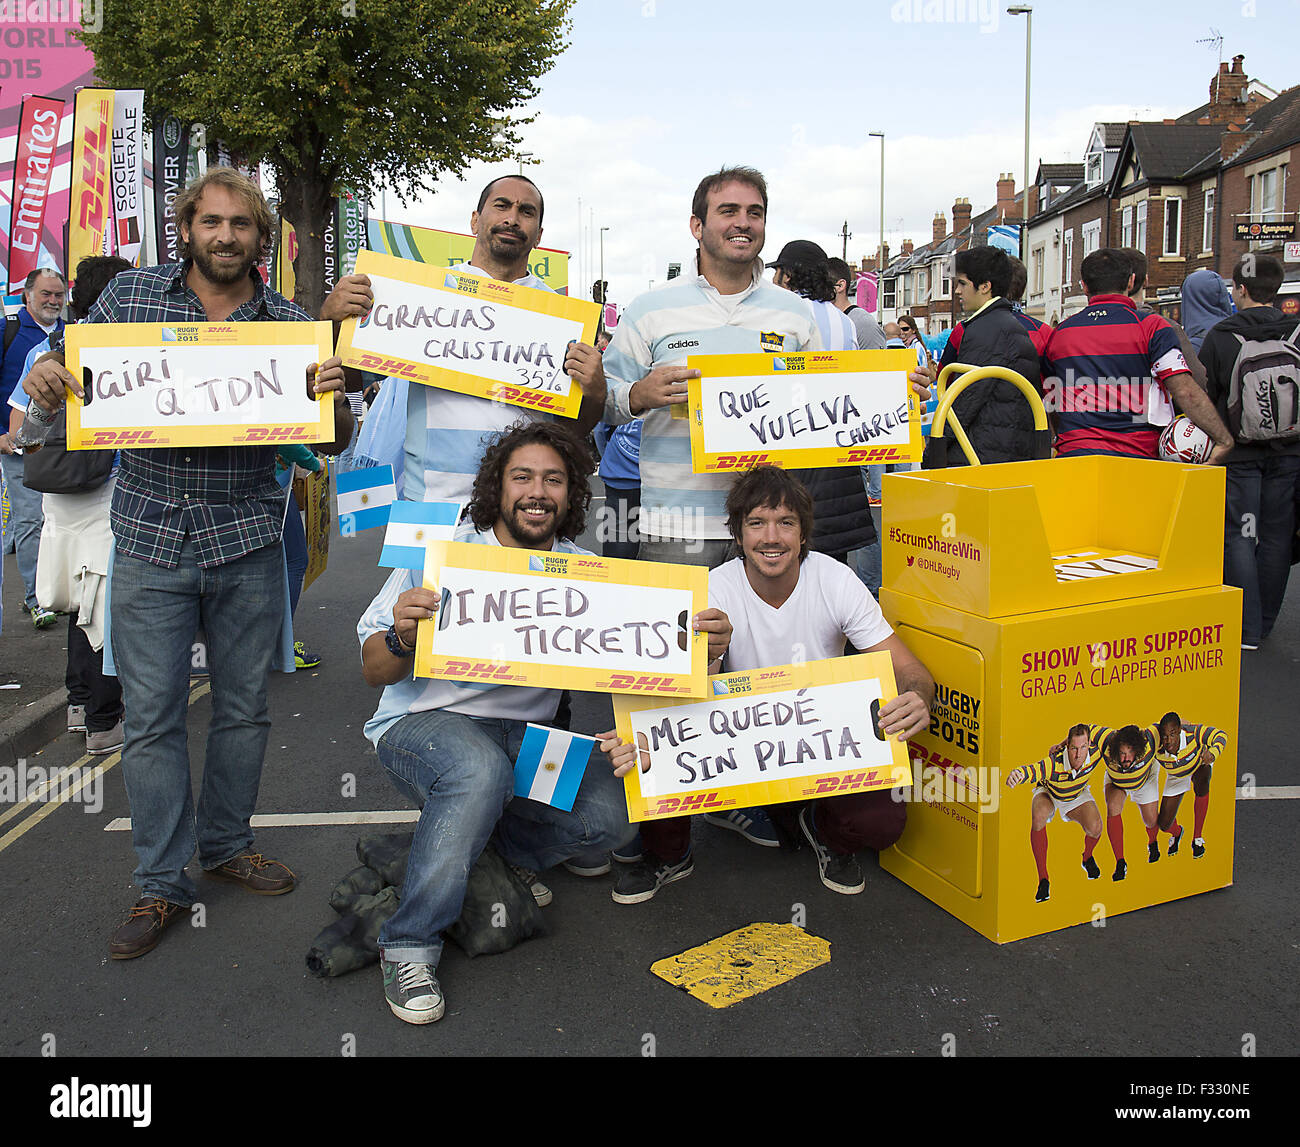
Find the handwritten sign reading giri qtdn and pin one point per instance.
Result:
(201, 384)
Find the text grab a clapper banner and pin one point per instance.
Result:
(764, 736)
(512, 616)
(197, 384)
(469, 333)
(820, 408)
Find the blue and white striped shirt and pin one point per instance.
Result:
(687, 317)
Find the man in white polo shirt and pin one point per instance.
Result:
(785, 605)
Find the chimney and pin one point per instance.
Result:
(940, 227)
(1233, 140)
(877, 260)
(1228, 92)
(907, 246)
(961, 220)
(1007, 205)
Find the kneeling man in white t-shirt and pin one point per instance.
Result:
(785, 605)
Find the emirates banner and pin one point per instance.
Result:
(38, 137)
(128, 172)
(171, 146)
(90, 210)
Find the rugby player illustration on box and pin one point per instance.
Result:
(1061, 785)
(1186, 754)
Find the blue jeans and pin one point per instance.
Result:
(871, 475)
(155, 613)
(1259, 520)
(23, 526)
(459, 770)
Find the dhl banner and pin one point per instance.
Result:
(765, 736)
(450, 248)
(510, 616)
(89, 212)
(316, 492)
(468, 333)
(198, 384)
(820, 408)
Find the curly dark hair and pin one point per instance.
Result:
(772, 487)
(811, 281)
(485, 503)
(1131, 736)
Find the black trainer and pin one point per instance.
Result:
(1175, 841)
(1090, 867)
(1198, 848)
(1044, 891)
(1153, 851)
(839, 872)
(640, 881)
(1121, 870)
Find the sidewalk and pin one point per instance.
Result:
(35, 713)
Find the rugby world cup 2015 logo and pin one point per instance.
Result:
(721, 688)
(537, 565)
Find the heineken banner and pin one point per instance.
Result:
(171, 146)
(38, 137)
(127, 168)
(350, 226)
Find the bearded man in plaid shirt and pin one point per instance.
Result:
(197, 533)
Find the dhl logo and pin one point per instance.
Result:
(740, 461)
(522, 397)
(692, 802)
(875, 454)
(842, 784)
(479, 670)
(823, 358)
(125, 438)
(638, 682)
(94, 175)
(591, 565)
(773, 673)
(377, 365)
(935, 759)
(277, 434)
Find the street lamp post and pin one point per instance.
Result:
(523, 155)
(602, 266)
(880, 255)
(1027, 12)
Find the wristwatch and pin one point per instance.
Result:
(395, 644)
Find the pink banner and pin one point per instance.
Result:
(38, 137)
(40, 55)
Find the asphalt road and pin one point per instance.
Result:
(1207, 976)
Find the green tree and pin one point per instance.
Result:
(337, 94)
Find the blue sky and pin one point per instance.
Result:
(653, 94)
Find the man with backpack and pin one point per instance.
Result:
(1252, 367)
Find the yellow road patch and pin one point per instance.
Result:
(744, 963)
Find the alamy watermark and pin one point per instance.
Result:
(983, 13)
(78, 784)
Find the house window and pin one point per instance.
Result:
(922, 282)
(1067, 275)
(1091, 237)
(1173, 226)
(891, 293)
(1126, 227)
(907, 290)
(1207, 227)
(1094, 169)
(947, 282)
(1037, 271)
(1140, 238)
(1266, 194)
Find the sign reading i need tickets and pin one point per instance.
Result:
(765, 736)
(469, 333)
(819, 408)
(197, 384)
(510, 616)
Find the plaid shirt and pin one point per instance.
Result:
(224, 497)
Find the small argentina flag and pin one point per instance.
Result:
(551, 764)
(364, 497)
(411, 527)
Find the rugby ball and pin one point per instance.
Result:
(1183, 441)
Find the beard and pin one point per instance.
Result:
(529, 533)
(223, 273)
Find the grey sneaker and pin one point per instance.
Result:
(76, 718)
(540, 892)
(412, 991)
(109, 741)
(640, 881)
(839, 872)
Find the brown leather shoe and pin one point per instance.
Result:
(143, 929)
(256, 873)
